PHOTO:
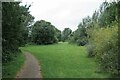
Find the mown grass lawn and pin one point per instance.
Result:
(63, 60)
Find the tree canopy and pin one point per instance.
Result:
(100, 34)
(44, 32)
(66, 34)
(15, 19)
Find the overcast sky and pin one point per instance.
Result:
(63, 13)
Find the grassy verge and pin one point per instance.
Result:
(65, 61)
(0, 70)
(10, 69)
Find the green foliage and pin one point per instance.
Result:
(99, 34)
(43, 33)
(103, 38)
(104, 17)
(74, 36)
(108, 13)
(9, 70)
(66, 34)
(105, 41)
(80, 36)
(58, 34)
(14, 30)
(90, 50)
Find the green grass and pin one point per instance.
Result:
(10, 69)
(65, 61)
(0, 69)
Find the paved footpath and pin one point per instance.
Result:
(30, 69)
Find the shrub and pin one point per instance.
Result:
(105, 48)
(81, 41)
(90, 49)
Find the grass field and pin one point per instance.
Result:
(10, 69)
(65, 61)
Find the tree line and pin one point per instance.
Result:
(19, 29)
(98, 33)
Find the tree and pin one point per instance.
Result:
(13, 28)
(66, 34)
(43, 32)
(80, 35)
(104, 38)
(101, 33)
(28, 20)
(108, 15)
(58, 34)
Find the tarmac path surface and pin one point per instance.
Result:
(30, 69)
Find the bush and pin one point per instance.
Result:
(105, 48)
(90, 49)
(82, 41)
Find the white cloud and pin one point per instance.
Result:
(63, 13)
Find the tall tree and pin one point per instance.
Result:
(66, 34)
(108, 15)
(58, 34)
(13, 28)
(43, 32)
